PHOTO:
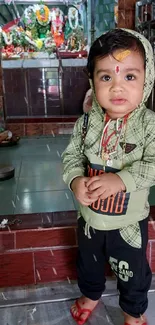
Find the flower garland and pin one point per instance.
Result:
(43, 15)
(57, 19)
(72, 17)
(29, 18)
(30, 41)
(49, 43)
(8, 40)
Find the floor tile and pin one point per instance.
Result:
(7, 196)
(57, 313)
(44, 202)
(38, 164)
(42, 183)
(8, 186)
(15, 316)
(6, 207)
(31, 153)
(15, 163)
(54, 157)
(41, 168)
(115, 313)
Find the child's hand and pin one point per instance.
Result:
(79, 187)
(105, 185)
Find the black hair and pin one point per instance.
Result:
(108, 43)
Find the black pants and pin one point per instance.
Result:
(129, 264)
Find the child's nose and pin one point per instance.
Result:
(117, 85)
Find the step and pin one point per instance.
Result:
(41, 248)
(52, 293)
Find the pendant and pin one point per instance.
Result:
(105, 155)
(109, 163)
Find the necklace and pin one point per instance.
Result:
(106, 153)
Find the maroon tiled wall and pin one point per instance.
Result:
(43, 128)
(44, 92)
(1, 97)
(15, 93)
(74, 86)
(42, 248)
(36, 108)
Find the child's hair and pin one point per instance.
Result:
(108, 43)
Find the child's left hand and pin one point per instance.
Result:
(105, 185)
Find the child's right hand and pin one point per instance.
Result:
(81, 192)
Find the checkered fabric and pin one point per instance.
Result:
(132, 235)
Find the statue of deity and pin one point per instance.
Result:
(57, 26)
(72, 22)
(43, 19)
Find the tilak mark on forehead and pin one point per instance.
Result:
(122, 55)
(117, 69)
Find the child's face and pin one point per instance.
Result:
(119, 85)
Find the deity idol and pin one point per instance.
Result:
(57, 26)
(72, 22)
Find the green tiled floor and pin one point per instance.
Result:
(38, 184)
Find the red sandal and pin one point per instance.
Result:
(80, 311)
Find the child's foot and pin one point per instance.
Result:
(82, 309)
(129, 320)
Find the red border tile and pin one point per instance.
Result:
(45, 238)
(55, 265)
(16, 269)
(7, 241)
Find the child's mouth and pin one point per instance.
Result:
(118, 101)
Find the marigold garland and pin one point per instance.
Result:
(41, 20)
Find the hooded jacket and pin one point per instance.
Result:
(134, 161)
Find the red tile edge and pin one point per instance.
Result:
(55, 219)
(62, 119)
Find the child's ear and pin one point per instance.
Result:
(87, 104)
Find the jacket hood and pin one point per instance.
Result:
(149, 70)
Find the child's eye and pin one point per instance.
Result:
(106, 78)
(130, 77)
